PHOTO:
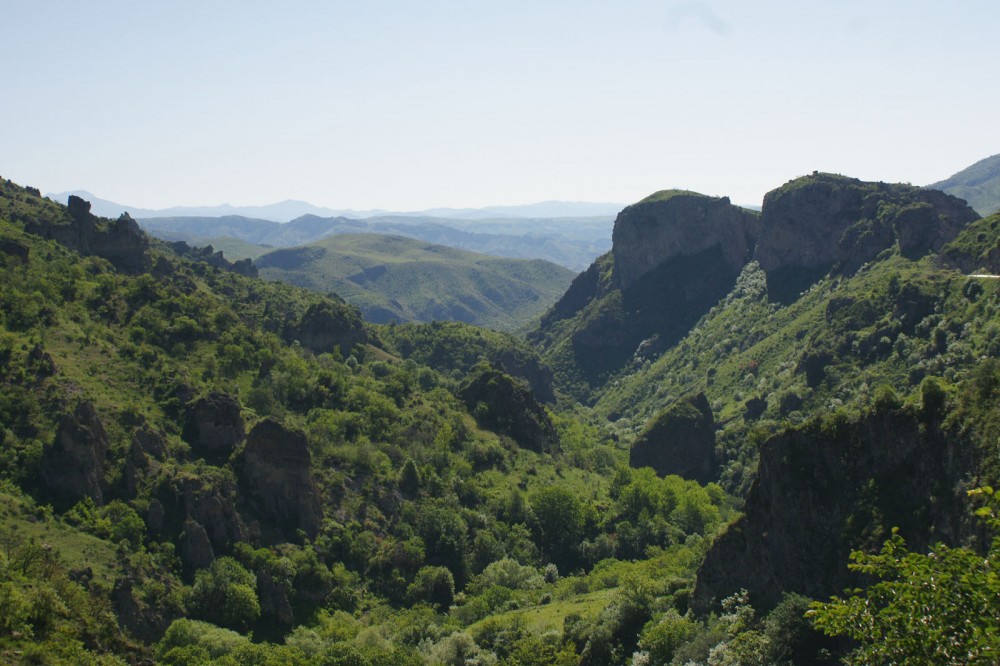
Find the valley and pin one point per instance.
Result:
(359, 448)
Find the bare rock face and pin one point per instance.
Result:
(826, 488)
(72, 467)
(214, 427)
(674, 223)
(816, 222)
(681, 441)
(119, 241)
(276, 481)
(196, 549)
(146, 452)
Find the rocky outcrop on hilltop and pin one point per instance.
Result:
(680, 440)
(216, 259)
(119, 241)
(276, 481)
(675, 223)
(327, 326)
(506, 406)
(835, 485)
(72, 467)
(825, 221)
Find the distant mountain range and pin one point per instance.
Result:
(978, 184)
(290, 209)
(572, 242)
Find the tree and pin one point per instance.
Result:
(561, 519)
(225, 594)
(939, 608)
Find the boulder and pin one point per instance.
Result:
(330, 325)
(680, 440)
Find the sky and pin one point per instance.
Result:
(405, 105)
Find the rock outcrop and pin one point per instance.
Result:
(831, 486)
(216, 259)
(680, 440)
(825, 221)
(214, 427)
(506, 406)
(119, 241)
(72, 467)
(327, 326)
(675, 223)
(276, 482)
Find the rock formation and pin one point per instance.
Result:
(680, 440)
(506, 406)
(327, 326)
(674, 223)
(831, 486)
(276, 481)
(72, 467)
(214, 427)
(119, 241)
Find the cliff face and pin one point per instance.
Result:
(824, 221)
(681, 440)
(673, 224)
(120, 241)
(832, 486)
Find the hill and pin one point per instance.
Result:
(391, 278)
(570, 242)
(191, 454)
(978, 184)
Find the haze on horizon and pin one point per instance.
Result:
(410, 106)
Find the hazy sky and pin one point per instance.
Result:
(407, 105)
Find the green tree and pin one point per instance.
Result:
(938, 608)
(560, 517)
(225, 594)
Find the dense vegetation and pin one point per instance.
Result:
(198, 466)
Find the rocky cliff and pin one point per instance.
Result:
(680, 440)
(825, 221)
(834, 485)
(675, 223)
(119, 241)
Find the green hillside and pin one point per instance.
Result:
(391, 278)
(978, 184)
(199, 466)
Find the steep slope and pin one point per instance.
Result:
(392, 278)
(978, 184)
(675, 255)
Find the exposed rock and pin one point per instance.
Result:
(147, 622)
(328, 325)
(274, 598)
(214, 427)
(41, 362)
(72, 467)
(196, 549)
(207, 500)
(146, 450)
(120, 241)
(673, 223)
(817, 222)
(208, 255)
(506, 406)
(276, 481)
(680, 440)
(832, 486)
